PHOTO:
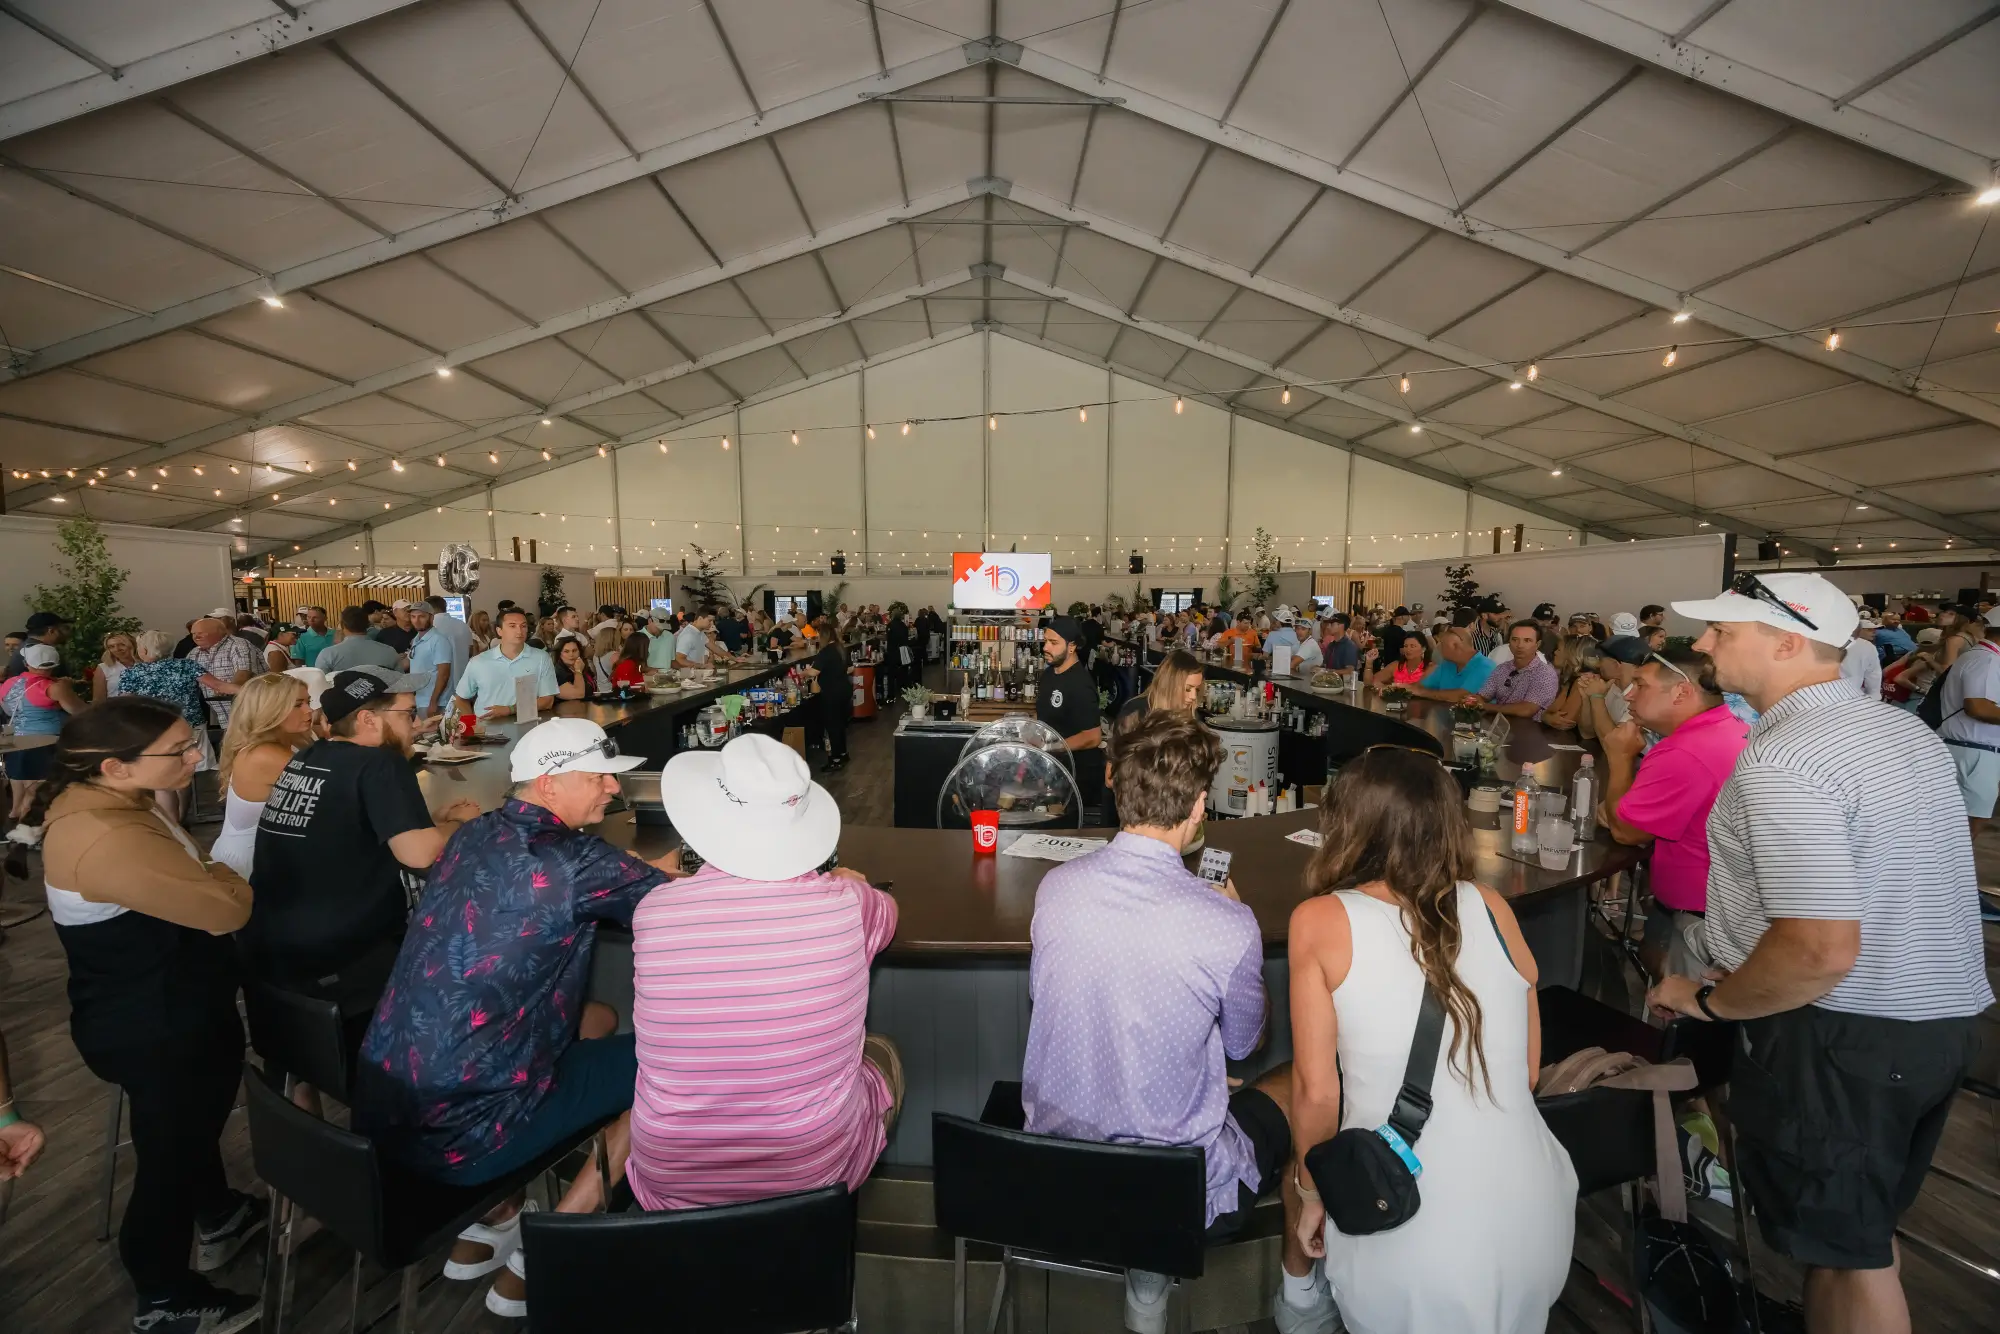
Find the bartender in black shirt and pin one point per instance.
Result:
(1066, 699)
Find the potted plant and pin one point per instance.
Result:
(1467, 713)
(1396, 698)
(918, 698)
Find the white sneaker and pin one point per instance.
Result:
(27, 835)
(1322, 1317)
(504, 1238)
(1146, 1297)
(517, 1265)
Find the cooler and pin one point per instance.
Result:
(862, 675)
(1249, 756)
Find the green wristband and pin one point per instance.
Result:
(8, 1118)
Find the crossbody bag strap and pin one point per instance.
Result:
(1413, 1100)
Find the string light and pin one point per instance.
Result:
(1177, 405)
(1403, 385)
(600, 451)
(1682, 317)
(1833, 341)
(234, 470)
(992, 423)
(1286, 397)
(1515, 385)
(197, 472)
(547, 422)
(1673, 355)
(1083, 414)
(871, 433)
(492, 456)
(1555, 472)
(397, 464)
(351, 467)
(309, 466)
(440, 460)
(795, 437)
(1416, 428)
(274, 301)
(663, 446)
(725, 442)
(906, 428)
(444, 372)
(129, 472)
(1534, 372)
(1989, 196)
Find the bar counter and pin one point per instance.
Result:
(952, 987)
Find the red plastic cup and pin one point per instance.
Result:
(985, 832)
(469, 722)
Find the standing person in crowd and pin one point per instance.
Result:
(1395, 912)
(145, 927)
(1955, 635)
(1550, 624)
(1624, 625)
(1665, 801)
(1524, 685)
(226, 658)
(1145, 980)
(480, 628)
(487, 687)
(397, 631)
(1861, 665)
(21, 1140)
(1400, 627)
(176, 682)
(575, 677)
(1892, 641)
(461, 1100)
(688, 648)
(358, 647)
(1971, 726)
(630, 669)
(278, 648)
(271, 722)
(1489, 635)
(456, 631)
(901, 657)
(836, 692)
(120, 652)
(1652, 616)
(1284, 634)
(605, 642)
(38, 702)
(44, 627)
(1857, 972)
(756, 1074)
(1066, 699)
(315, 637)
(732, 629)
(341, 847)
(433, 659)
(569, 625)
(1460, 671)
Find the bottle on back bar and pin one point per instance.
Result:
(1583, 799)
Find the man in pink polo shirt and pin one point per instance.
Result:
(1666, 800)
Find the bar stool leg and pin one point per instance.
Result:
(111, 1159)
(958, 1285)
(1637, 1211)
(406, 1308)
(353, 1299)
(1001, 1297)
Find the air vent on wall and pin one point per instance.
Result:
(800, 574)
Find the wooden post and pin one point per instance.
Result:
(1520, 529)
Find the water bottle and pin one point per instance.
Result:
(1583, 799)
(1523, 839)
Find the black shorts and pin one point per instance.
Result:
(1270, 1135)
(1837, 1116)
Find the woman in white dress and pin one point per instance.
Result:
(272, 718)
(1489, 1249)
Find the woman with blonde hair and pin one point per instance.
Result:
(1175, 688)
(271, 720)
(1577, 662)
(1395, 917)
(481, 626)
(120, 652)
(604, 650)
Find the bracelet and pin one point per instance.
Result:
(1300, 1186)
(8, 1116)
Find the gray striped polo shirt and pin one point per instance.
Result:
(1848, 809)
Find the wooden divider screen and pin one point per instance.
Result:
(288, 595)
(1385, 589)
(634, 592)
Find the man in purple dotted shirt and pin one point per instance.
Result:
(1146, 980)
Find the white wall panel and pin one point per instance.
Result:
(1169, 469)
(1400, 517)
(801, 501)
(1295, 489)
(172, 575)
(931, 480)
(1048, 472)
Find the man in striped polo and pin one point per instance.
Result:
(1858, 972)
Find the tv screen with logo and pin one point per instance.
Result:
(999, 580)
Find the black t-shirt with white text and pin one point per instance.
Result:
(1067, 701)
(327, 887)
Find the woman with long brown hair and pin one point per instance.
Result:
(1395, 913)
(836, 691)
(1176, 686)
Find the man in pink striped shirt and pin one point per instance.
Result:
(756, 1075)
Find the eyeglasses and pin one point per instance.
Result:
(1750, 586)
(180, 752)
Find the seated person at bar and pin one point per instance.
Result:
(1240, 635)
(575, 677)
(692, 641)
(357, 647)
(1459, 671)
(1409, 667)
(1066, 699)
(341, 847)
(486, 687)
(1284, 633)
(1338, 650)
(1666, 800)
(756, 1074)
(1618, 661)
(1145, 979)
(1524, 685)
(483, 1054)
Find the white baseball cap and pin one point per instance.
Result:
(1284, 616)
(568, 746)
(41, 656)
(1993, 617)
(1811, 596)
(751, 808)
(315, 682)
(401, 604)
(1625, 623)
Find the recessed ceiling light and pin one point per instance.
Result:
(274, 302)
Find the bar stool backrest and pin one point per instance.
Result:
(1124, 1206)
(301, 1036)
(765, 1267)
(331, 1174)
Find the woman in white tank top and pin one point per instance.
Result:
(271, 719)
(1489, 1248)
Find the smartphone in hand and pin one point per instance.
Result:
(1214, 866)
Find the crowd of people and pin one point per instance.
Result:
(457, 943)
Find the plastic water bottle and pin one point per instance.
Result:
(1524, 814)
(1583, 799)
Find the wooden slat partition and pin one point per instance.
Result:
(635, 592)
(1386, 589)
(288, 595)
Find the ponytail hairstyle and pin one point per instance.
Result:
(1394, 815)
(118, 728)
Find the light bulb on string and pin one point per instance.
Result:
(871, 433)
(440, 460)
(309, 466)
(1286, 397)
(795, 437)
(1177, 404)
(1403, 385)
(351, 466)
(1673, 355)
(1682, 317)
(725, 442)
(600, 451)
(1083, 414)
(906, 428)
(444, 372)
(663, 446)
(492, 456)
(1833, 340)
(397, 464)
(1534, 372)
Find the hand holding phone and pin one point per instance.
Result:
(1214, 866)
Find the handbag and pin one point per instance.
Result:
(1367, 1179)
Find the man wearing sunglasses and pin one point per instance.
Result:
(1665, 801)
(1858, 972)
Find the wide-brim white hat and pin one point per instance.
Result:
(751, 809)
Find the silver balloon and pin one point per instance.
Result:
(1029, 786)
(458, 569)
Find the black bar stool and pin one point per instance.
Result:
(1066, 1205)
(388, 1215)
(698, 1271)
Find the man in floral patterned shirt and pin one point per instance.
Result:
(483, 1054)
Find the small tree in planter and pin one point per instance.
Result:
(550, 595)
(1460, 592)
(87, 595)
(1264, 569)
(704, 586)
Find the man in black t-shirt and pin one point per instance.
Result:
(343, 839)
(1066, 699)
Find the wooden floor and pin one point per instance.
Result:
(57, 1278)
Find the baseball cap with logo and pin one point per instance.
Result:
(1800, 604)
(751, 808)
(568, 746)
(349, 690)
(1624, 623)
(41, 656)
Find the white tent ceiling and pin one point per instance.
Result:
(241, 241)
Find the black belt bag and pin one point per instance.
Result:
(1366, 1185)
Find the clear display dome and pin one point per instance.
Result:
(1021, 728)
(1029, 787)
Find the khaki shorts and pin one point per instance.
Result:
(881, 1053)
(1680, 935)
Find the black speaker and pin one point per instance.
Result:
(839, 562)
(1768, 551)
(1136, 564)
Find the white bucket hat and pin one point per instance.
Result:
(751, 809)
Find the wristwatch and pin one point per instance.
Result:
(1701, 999)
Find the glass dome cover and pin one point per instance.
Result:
(1020, 728)
(1030, 787)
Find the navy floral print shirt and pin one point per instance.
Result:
(488, 987)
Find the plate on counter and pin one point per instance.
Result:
(452, 755)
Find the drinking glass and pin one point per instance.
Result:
(1555, 838)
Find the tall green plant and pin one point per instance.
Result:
(1264, 570)
(88, 593)
(704, 586)
(550, 595)
(1225, 593)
